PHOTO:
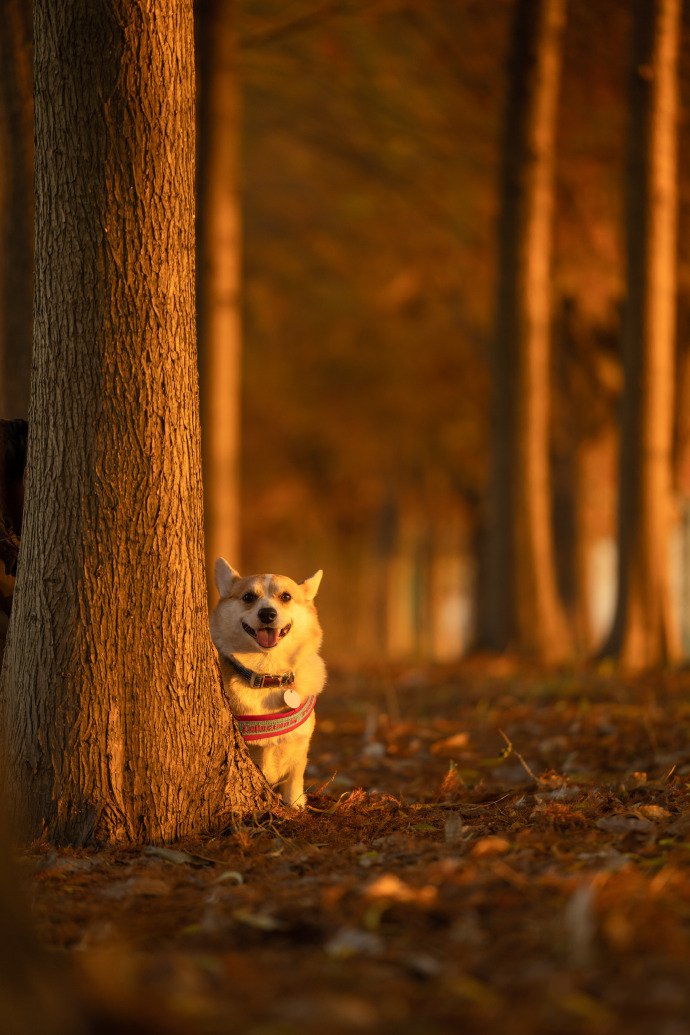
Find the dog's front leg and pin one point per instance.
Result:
(292, 791)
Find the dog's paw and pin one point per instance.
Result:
(300, 802)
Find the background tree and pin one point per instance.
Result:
(521, 605)
(351, 122)
(114, 718)
(16, 207)
(219, 244)
(646, 630)
(584, 416)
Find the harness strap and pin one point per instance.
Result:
(263, 727)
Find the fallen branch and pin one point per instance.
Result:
(510, 750)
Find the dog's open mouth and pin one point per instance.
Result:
(267, 636)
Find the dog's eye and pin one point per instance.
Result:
(250, 597)
(286, 597)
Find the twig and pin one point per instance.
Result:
(511, 750)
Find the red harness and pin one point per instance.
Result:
(263, 727)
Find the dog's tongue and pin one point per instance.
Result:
(267, 637)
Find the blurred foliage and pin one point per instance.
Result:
(370, 136)
(370, 171)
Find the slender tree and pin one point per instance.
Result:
(520, 605)
(646, 631)
(114, 718)
(219, 277)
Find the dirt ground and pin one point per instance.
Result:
(484, 851)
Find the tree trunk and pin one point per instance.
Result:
(646, 631)
(115, 721)
(521, 605)
(219, 279)
(16, 208)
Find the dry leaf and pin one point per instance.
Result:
(491, 846)
(350, 941)
(259, 921)
(450, 744)
(654, 812)
(453, 828)
(625, 824)
(150, 886)
(175, 855)
(229, 876)
(393, 889)
(579, 924)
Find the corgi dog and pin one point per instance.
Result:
(267, 634)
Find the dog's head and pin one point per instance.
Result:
(264, 613)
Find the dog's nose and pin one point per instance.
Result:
(268, 615)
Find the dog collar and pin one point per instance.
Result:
(262, 727)
(258, 680)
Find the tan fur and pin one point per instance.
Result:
(282, 759)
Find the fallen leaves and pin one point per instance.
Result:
(140, 885)
(450, 746)
(391, 888)
(533, 882)
(351, 941)
(625, 824)
(491, 845)
(178, 857)
(260, 921)
(656, 813)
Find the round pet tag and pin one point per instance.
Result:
(292, 698)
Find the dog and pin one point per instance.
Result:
(267, 634)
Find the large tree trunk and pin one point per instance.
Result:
(219, 278)
(645, 629)
(114, 716)
(16, 208)
(521, 605)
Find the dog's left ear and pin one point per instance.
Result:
(311, 586)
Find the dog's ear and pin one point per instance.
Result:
(225, 576)
(311, 586)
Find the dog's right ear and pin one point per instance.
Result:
(225, 576)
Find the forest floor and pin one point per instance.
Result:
(485, 850)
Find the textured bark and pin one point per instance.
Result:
(113, 710)
(646, 630)
(541, 625)
(219, 279)
(521, 605)
(16, 208)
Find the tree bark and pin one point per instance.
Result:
(219, 321)
(646, 630)
(16, 208)
(521, 606)
(114, 717)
